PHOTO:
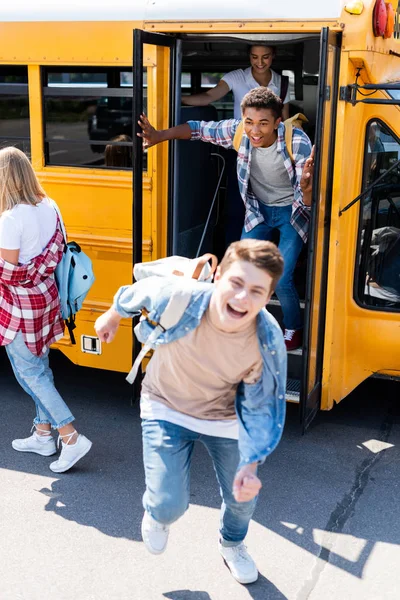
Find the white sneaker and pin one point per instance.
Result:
(39, 444)
(154, 534)
(70, 454)
(239, 562)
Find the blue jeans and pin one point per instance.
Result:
(290, 245)
(167, 456)
(36, 379)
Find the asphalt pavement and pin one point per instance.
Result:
(327, 525)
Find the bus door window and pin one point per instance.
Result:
(378, 284)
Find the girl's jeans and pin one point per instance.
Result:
(167, 455)
(290, 245)
(36, 378)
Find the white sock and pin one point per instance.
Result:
(43, 438)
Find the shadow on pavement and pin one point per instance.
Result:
(263, 589)
(314, 486)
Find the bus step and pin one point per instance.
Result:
(275, 302)
(293, 390)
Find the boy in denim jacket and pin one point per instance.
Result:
(217, 377)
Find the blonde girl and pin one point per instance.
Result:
(31, 246)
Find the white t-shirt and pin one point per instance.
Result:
(28, 229)
(242, 81)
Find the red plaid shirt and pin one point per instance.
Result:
(29, 300)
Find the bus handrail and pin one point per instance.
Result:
(367, 191)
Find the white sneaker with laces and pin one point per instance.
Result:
(154, 534)
(39, 444)
(239, 562)
(71, 453)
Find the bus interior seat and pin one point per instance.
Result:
(196, 178)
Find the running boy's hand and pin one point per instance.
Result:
(106, 325)
(149, 134)
(246, 484)
(306, 180)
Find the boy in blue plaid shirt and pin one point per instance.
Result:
(276, 191)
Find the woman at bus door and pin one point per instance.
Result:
(31, 246)
(240, 82)
(276, 192)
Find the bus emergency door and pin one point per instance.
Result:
(317, 265)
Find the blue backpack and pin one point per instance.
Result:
(74, 278)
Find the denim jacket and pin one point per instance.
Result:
(260, 407)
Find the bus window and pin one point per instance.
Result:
(186, 83)
(378, 284)
(88, 117)
(225, 105)
(14, 108)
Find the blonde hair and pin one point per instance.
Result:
(18, 182)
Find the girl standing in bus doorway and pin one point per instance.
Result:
(31, 246)
(242, 81)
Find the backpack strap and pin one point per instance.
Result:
(284, 87)
(55, 206)
(172, 314)
(296, 121)
(238, 136)
(201, 261)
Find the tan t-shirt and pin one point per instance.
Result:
(198, 374)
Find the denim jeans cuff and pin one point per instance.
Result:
(37, 421)
(63, 423)
(227, 544)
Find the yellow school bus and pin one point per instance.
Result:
(73, 83)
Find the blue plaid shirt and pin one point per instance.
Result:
(222, 133)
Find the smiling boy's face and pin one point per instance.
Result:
(240, 293)
(260, 125)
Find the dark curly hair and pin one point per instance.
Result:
(262, 97)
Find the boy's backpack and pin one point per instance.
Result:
(74, 278)
(296, 121)
(193, 268)
(197, 268)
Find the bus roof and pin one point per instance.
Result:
(176, 10)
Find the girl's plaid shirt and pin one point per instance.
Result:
(29, 300)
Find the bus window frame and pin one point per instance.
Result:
(357, 269)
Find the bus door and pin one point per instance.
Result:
(154, 58)
(317, 264)
(153, 72)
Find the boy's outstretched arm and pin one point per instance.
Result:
(152, 136)
(220, 133)
(107, 324)
(128, 302)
